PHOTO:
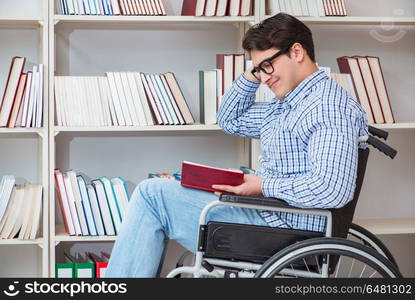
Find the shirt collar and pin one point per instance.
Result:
(295, 96)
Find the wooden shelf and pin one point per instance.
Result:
(400, 125)
(158, 128)
(348, 20)
(148, 19)
(61, 236)
(38, 241)
(388, 226)
(17, 21)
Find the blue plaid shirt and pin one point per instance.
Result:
(309, 144)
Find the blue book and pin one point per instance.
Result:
(86, 204)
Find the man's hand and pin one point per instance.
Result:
(250, 187)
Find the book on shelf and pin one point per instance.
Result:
(370, 87)
(20, 209)
(350, 66)
(22, 101)
(88, 265)
(346, 82)
(219, 8)
(208, 96)
(100, 263)
(103, 203)
(120, 99)
(302, 8)
(231, 66)
(112, 7)
(202, 177)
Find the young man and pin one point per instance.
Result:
(309, 136)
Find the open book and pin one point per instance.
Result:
(203, 177)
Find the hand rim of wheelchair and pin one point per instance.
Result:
(332, 245)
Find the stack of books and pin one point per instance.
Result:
(113, 7)
(314, 8)
(120, 99)
(20, 209)
(219, 8)
(22, 101)
(91, 209)
(89, 265)
(369, 86)
(214, 83)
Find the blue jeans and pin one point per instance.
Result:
(162, 209)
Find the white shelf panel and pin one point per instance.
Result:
(21, 130)
(400, 125)
(388, 226)
(61, 236)
(148, 19)
(15, 21)
(170, 128)
(348, 20)
(38, 241)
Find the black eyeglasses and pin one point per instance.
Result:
(266, 65)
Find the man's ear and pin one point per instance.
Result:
(298, 52)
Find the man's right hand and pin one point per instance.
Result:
(248, 75)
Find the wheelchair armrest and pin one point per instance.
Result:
(263, 201)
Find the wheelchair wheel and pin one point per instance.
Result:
(365, 237)
(328, 257)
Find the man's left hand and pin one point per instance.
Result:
(250, 187)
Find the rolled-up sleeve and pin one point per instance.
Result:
(238, 113)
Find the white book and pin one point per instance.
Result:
(160, 104)
(234, 7)
(123, 99)
(296, 6)
(100, 8)
(70, 104)
(27, 212)
(136, 99)
(58, 99)
(219, 90)
(172, 100)
(210, 9)
(19, 220)
(313, 8)
(115, 7)
(112, 202)
(71, 7)
(239, 65)
(115, 99)
(320, 7)
(81, 7)
(200, 8)
(208, 97)
(282, 6)
(24, 104)
(289, 9)
(107, 104)
(76, 8)
(163, 93)
(6, 187)
(64, 202)
(104, 208)
(121, 194)
(97, 101)
(37, 207)
(65, 110)
(89, 109)
(39, 110)
(86, 205)
(78, 201)
(32, 99)
(221, 9)
(9, 192)
(304, 7)
(87, 7)
(92, 7)
(16, 205)
(95, 209)
(72, 204)
(273, 7)
(143, 99)
(129, 99)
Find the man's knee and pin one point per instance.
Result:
(153, 188)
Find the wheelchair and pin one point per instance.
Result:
(248, 251)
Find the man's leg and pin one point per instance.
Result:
(162, 209)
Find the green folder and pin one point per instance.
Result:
(64, 270)
(83, 267)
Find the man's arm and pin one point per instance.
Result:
(238, 114)
(330, 183)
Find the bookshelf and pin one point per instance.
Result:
(24, 151)
(386, 201)
(181, 44)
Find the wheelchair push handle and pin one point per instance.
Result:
(381, 146)
(378, 132)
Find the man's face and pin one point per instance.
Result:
(283, 79)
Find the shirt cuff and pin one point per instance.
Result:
(270, 187)
(245, 86)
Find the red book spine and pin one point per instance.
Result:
(189, 7)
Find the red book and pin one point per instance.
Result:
(189, 7)
(101, 264)
(203, 177)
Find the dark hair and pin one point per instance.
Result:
(279, 31)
